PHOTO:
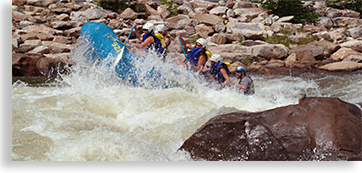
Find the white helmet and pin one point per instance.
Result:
(160, 28)
(216, 58)
(149, 26)
(202, 41)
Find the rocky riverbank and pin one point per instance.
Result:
(44, 33)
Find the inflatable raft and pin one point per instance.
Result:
(107, 47)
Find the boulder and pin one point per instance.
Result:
(61, 10)
(51, 67)
(162, 10)
(40, 49)
(18, 2)
(291, 59)
(151, 11)
(25, 64)
(324, 45)
(218, 38)
(304, 51)
(204, 29)
(62, 25)
(204, 4)
(40, 3)
(219, 10)
(314, 129)
(249, 30)
(352, 43)
(342, 66)
(269, 51)
(43, 28)
(285, 19)
(354, 58)
(29, 36)
(208, 19)
(249, 13)
(346, 21)
(343, 53)
(56, 47)
(244, 4)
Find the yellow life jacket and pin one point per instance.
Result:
(161, 38)
(227, 64)
(208, 53)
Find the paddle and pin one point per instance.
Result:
(187, 60)
(119, 57)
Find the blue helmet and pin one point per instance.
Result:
(240, 68)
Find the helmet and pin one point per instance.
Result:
(240, 68)
(149, 26)
(216, 58)
(160, 28)
(202, 41)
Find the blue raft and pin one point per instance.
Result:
(107, 46)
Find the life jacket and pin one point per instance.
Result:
(215, 71)
(249, 89)
(192, 55)
(156, 45)
(162, 39)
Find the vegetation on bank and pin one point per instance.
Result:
(290, 8)
(355, 5)
(285, 37)
(115, 5)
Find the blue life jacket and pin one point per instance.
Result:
(215, 71)
(156, 45)
(191, 55)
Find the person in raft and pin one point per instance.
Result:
(148, 39)
(197, 56)
(245, 82)
(218, 71)
(161, 34)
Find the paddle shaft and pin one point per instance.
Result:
(187, 60)
(129, 35)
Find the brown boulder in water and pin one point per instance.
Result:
(25, 64)
(314, 129)
(31, 64)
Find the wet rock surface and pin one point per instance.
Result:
(314, 129)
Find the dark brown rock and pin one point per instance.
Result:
(25, 64)
(314, 129)
(31, 64)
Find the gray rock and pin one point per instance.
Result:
(285, 19)
(325, 21)
(355, 32)
(41, 49)
(268, 51)
(219, 10)
(249, 30)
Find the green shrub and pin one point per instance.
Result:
(114, 5)
(290, 8)
(285, 40)
(355, 5)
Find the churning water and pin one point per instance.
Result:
(90, 115)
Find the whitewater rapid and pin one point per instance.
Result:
(91, 115)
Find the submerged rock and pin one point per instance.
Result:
(314, 129)
(36, 64)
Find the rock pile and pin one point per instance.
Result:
(234, 29)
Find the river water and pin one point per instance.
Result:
(90, 115)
